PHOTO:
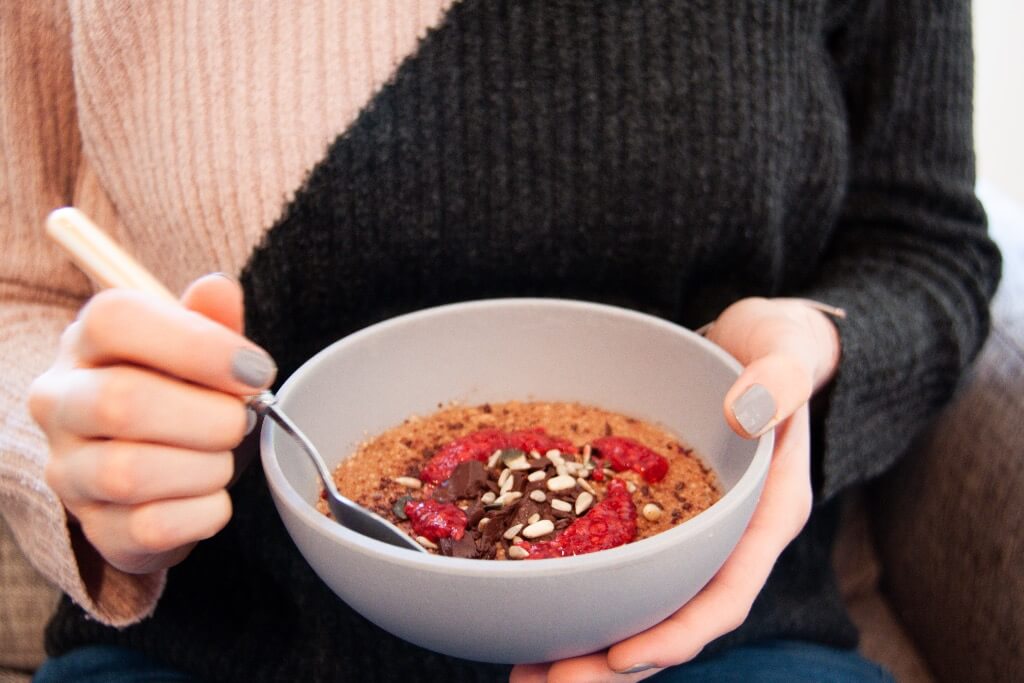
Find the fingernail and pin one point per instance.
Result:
(636, 668)
(226, 276)
(250, 420)
(754, 409)
(252, 367)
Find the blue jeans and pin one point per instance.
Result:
(777, 661)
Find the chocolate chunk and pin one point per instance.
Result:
(464, 547)
(467, 480)
(474, 513)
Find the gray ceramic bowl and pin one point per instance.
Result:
(505, 349)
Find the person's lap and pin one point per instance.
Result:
(771, 662)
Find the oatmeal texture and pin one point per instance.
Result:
(516, 501)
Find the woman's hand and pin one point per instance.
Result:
(788, 350)
(142, 408)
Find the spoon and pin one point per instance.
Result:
(110, 266)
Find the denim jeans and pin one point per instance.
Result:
(777, 661)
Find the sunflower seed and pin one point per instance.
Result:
(426, 542)
(585, 485)
(492, 461)
(408, 482)
(512, 531)
(586, 454)
(631, 487)
(651, 512)
(538, 496)
(538, 529)
(503, 477)
(506, 498)
(555, 456)
(561, 505)
(561, 483)
(534, 518)
(536, 476)
(583, 501)
(518, 553)
(488, 498)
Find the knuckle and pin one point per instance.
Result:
(150, 530)
(113, 409)
(41, 399)
(120, 478)
(104, 314)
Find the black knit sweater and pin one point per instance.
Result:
(672, 156)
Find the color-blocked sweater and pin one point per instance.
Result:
(355, 160)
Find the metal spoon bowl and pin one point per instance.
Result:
(344, 510)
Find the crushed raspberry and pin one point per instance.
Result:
(627, 454)
(479, 446)
(434, 520)
(476, 446)
(537, 439)
(609, 524)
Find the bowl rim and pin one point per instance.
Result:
(751, 479)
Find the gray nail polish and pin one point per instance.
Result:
(636, 668)
(754, 409)
(253, 367)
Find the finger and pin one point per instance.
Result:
(594, 669)
(119, 326)
(726, 600)
(133, 404)
(529, 673)
(140, 538)
(129, 473)
(219, 297)
(770, 389)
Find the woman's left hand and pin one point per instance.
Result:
(788, 350)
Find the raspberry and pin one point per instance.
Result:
(609, 524)
(476, 446)
(537, 439)
(434, 520)
(627, 454)
(479, 446)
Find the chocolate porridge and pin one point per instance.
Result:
(527, 480)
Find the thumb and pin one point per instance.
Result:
(770, 389)
(218, 297)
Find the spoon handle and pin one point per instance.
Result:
(99, 256)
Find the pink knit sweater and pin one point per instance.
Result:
(120, 108)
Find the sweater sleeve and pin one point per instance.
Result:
(40, 293)
(911, 261)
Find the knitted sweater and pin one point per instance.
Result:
(355, 160)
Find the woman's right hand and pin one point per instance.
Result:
(142, 409)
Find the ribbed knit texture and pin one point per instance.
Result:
(669, 156)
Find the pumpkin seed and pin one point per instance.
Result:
(399, 507)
